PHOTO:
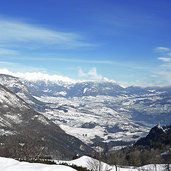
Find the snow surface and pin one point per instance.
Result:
(14, 165)
(104, 113)
(7, 164)
(9, 99)
(89, 163)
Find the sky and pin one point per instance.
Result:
(127, 41)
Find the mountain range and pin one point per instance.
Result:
(102, 115)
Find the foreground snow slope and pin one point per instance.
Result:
(14, 165)
(7, 164)
(94, 165)
(89, 163)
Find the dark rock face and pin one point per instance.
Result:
(157, 137)
(113, 129)
(89, 125)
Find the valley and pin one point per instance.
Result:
(103, 115)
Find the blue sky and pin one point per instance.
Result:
(126, 41)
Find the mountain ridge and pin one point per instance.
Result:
(21, 128)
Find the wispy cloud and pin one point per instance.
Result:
(165, 59)
(63, 59)
(90, 75)
(16, 33)
(165, 77)
(162, 49)
(7, 63)
(164, 54)
(76, 60)
(4, 51)
(164, 70)
(85, 61)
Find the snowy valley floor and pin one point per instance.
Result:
(7, 164)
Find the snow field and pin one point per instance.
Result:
(7, 164)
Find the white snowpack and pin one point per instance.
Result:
(10, 99)
(7, 164)
(43, 120)
(15, 118)
(93, 164)
(72, 113)
(5, 132)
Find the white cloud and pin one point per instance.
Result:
(161, 49)
(91, 75)
(165, 59)
(165, 54)
(165, 77)
(37, 76)
(5, 71)
(15, 33)
(163, 72)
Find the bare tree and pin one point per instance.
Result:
(97, 165)
(167, 167)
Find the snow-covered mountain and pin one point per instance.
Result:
(101, 114)
(79, 89)
(15, 85)
(26, 133)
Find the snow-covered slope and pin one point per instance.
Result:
(26, 133)
(92, 120)
(11, 107)
(7, 164)
(16, 86)
(94, 165)
(79, 89)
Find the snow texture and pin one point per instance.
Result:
(14, 165)
(93, 164)
(111, 124)
(7, 164)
